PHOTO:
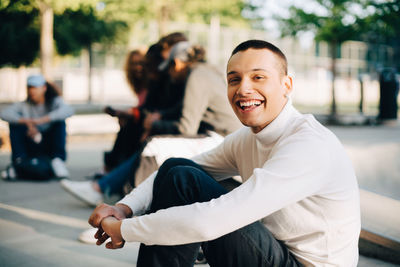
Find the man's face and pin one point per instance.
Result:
(178, 70)
(257, 87)
(136, 63)
(36, 94)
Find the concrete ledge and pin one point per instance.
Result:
(380, 221)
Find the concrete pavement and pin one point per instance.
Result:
(39, 222)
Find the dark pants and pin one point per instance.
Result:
(52, 144)
(114, 181)
(126, 144)
(182, 182)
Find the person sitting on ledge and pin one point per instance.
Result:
(298, 204)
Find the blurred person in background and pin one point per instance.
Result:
(163, 97)
(37, 131)
(205, 111)
(129, 120)
(154, 93)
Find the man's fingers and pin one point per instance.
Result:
(115, 245)
(102, 239)
(98, 214)
(99, 233)
(97, 219)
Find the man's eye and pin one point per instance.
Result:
(233, 80)
(258, 77)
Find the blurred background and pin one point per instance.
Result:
(344, 56)
(337, 50)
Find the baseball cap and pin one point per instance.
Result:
(179, 51)
(36, 80)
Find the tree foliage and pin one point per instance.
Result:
(19, 33)
(200, 11)
(78, 29)
(335, 24)
(382, 26)
(78, 23)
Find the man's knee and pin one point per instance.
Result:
(17, 128)
(58, 126)
(173, 162)
(174, 173)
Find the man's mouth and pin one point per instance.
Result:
(248, 104)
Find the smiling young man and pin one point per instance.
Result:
(298, 204)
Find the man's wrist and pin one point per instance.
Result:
(124, 209)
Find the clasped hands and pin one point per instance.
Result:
(108, 220)
(31, 124)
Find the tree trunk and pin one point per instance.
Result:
(213, 40)
(361, 104)
(163, 20)
(90, 56)
(333, 71)
(46, 39)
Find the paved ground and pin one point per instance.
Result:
(39, 222)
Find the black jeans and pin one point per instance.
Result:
(126, 144)
(181, 182)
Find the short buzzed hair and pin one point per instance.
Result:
(260, 44)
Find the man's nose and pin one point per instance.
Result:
(245, 88)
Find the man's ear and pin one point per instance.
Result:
(179, 65)
(287, 82)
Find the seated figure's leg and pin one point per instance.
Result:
(126, 143)
(19, 141)
(252, 245)
(178, 182)
(54, 140)
(114, 181)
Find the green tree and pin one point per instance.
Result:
(47, 9)
(382, 26)
(19, 33)
(80, 29)
(201, 11)
(334, 26)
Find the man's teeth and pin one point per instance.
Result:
(249, 103)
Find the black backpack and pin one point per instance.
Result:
(37, 168)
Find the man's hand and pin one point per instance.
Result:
(41, 120)
(110, 227)
(150, 118)
(32, 130)
(102, 211)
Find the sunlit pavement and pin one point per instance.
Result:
(40, 223)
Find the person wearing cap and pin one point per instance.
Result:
(37, 125)
(203, 105)
(204, 111)
(298, 204)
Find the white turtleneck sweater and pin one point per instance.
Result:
(297, 180)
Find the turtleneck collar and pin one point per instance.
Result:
(275, 129)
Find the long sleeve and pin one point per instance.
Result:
(219, 162)
(60, 110)
(13, 113)
(269, 189)
(140, 198)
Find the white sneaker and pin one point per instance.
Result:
(87, 236)
(59, 168)
(83, 191)
(9, 174)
